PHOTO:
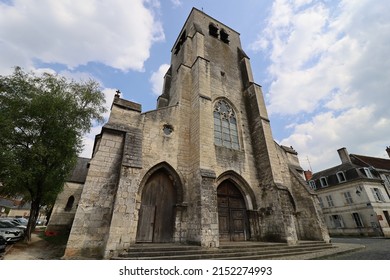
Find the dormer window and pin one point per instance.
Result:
(213, 30)
(341, 176)
(324, 182)
(312, 184)
(224, 36)
(367, 172)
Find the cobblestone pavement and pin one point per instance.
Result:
(375, 249)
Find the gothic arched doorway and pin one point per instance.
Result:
(157, 212)
(232, 217)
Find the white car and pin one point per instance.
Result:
(10, 232)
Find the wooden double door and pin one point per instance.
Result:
(157, 212)
(232, 215)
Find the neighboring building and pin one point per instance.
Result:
(355, 195)
(202, 168)
(5, 206)
(17, 207)
(65, 206)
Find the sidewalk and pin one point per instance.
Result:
(37, 249)
(339, 248)
(40, 249)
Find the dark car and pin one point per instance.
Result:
(3, 243)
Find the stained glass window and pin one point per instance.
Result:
(225, 126)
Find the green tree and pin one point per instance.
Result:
(42, 121)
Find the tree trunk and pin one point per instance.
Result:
(34, 213)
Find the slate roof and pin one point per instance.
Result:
(79, 173)
(352, 170)
(379, 163)
(6, 202)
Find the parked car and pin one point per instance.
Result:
(3, 243)
(17, 221)
(10, 232)
(22, 221)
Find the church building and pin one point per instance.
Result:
(203, 168)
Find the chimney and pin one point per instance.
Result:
(344, 156)
(308, 175)
(388, 151)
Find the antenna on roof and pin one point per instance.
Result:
(307, 157)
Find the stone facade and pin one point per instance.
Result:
(207, 151)
(65, 206)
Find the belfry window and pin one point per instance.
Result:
(181, 41)
(213, 30)
(225, 126)
(224, 36)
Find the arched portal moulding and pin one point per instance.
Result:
(242, 185)
(175, 177)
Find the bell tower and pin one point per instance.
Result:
(203, 166)
(208, 64)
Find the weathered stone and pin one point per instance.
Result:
(171, 160)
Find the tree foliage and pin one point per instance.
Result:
(42, 121)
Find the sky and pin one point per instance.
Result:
(324, 66)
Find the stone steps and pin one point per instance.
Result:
(233, 250)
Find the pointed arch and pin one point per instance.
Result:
(173, 175)
(242, 186)
(225, 124)
(69, 203)
(160, 191)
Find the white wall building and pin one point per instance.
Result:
(355, 195)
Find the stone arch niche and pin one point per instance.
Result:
(236, 200)
(69, 203)
(160, 193)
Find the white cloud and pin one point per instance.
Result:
(176, 3)
(117, 33)
(331, 65)
(157, 79)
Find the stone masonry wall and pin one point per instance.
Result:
(93, 217)
(61, 219)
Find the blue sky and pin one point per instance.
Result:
(324, 65)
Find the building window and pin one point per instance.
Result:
(367, 172)
(337, 221)
(69, 204)
(324, 182)
(387, 216)
(377, 194)
(225, 125)
(341, 176)
(312, 184)
(329, 200)
(387, 178)
(358, 220)
(348, 197)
